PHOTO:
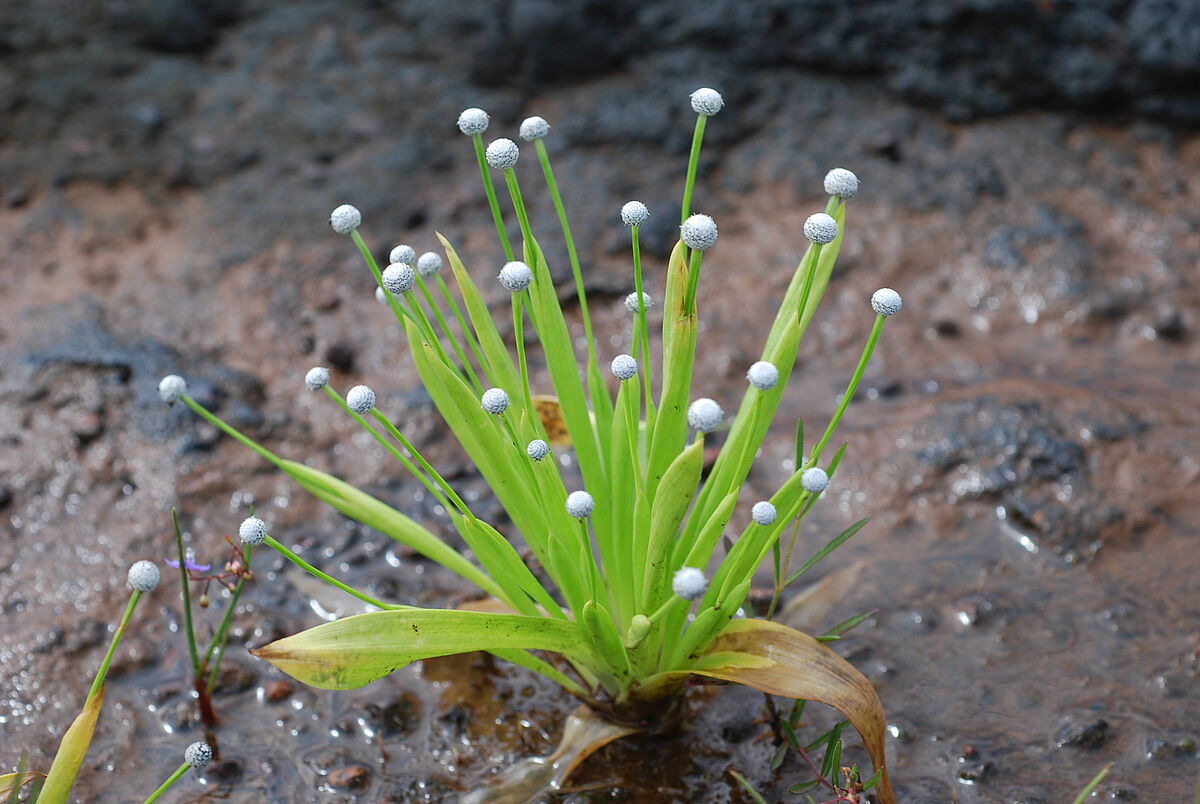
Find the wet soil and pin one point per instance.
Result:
(1025, 440)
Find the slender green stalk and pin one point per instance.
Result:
(187, 598)
(229, 431)
(693, 163)
(458, 350)
(489, 188)
(522, 365)
(1095, 782)
(693, 281)
(518, 202)
(98, 681)
(572, 255)
(643, 331)
(429, 484)
(425, 465)
(369, 258)
(316, 573)
(872, 340)
(467, 331)
(782, 568)
(165, 786)
(220, 637)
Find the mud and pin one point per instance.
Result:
(1025, 440)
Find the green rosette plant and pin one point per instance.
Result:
(637, 599)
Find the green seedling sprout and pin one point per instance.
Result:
(636, 601)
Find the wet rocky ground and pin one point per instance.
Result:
(1025, 441)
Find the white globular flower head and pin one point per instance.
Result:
(515, 276)
(814, 480)
(763, 513)
(473, 121)
(429, 263)
(494, 401)
(820, 228)
(252, 531)
(537, 449)
(624, 367)
(403, 253)
(316, 378)
(841, 182)
(345, 219)
(886, 301)
(171, 387)
(699, 232)
(707, 101)
(631, 302)
(399, 278)
(634, 213)
(143, 576)
(580, 504)
(705, 415)
(534, 128)
(381, 295)
(360, 399)
(502, 154)
(689, 583)
(198, 755)
(763, 375)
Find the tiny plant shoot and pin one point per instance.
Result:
(640, 600)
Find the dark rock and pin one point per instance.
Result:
(396, 718)
(279, 690)
(1089, 733)
(1161, 748)
(340, 356)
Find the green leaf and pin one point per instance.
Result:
(11, 783)
(367, 510)
(500, 367)
(834, 543)
(354, 651)
(71, 751)
(749, 788)
(671, 502)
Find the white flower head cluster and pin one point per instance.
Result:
(841, 182)
(473, 121)
(763, 375)
(502, 154)
(429, 263)
(403, 253)
(345, 219)
(252, 531)
(886, 301)
(537, 449)
(631, 302)
(494, 401)
(689, 583)
(515, 276)
(705, 415)
(143, 576)
(198, 755)
(763, 513)
(634, 213)
(820, 228)
(534, 128)
(171, 387)
(317, 377)
(399, 278)
(707, 101)
(360, 399)
(814, 480)
(580, 504)
(699, 232)
(624, 367)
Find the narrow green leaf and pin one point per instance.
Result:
(749, 788)
(799, 442)
(670, 505)
(834, 543)
(355, 651)
(605, 637)
(1095, 782)
(71, 751)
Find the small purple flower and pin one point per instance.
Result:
(189, 563)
